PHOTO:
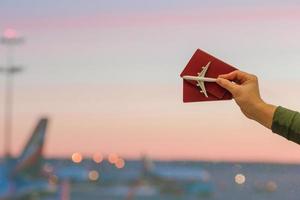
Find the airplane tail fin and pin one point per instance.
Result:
(29, 162)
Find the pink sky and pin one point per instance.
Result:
(164, 129)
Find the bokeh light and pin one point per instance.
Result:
(10, 33)
(120, 163)
(76, 157)
(271, 186)
(97, 158)
(240, 179)
(93, 175)
(113, 158)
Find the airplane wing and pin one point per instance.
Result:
(204, 70)
(202, 86)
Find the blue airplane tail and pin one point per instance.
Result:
(29, 161)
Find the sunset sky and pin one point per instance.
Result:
(107, 75)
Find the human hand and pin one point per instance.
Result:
(245, 91)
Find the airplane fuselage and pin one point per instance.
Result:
(197, 78)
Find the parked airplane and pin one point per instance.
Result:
(23, 177)
(163, 179)
(181, 179)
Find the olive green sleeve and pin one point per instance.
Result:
(287, 124)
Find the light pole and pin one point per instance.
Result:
(10, 39)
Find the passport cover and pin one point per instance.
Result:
(191, 92)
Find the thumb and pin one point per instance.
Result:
(228, 85)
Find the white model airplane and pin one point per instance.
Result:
(201, 79)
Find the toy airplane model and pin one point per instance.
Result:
(201, 79)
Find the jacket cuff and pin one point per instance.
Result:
(282, 121)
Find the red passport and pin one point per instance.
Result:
(215, 67)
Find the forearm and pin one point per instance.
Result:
(287, 124)
(263, 113)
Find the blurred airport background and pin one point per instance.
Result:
(91, 100)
